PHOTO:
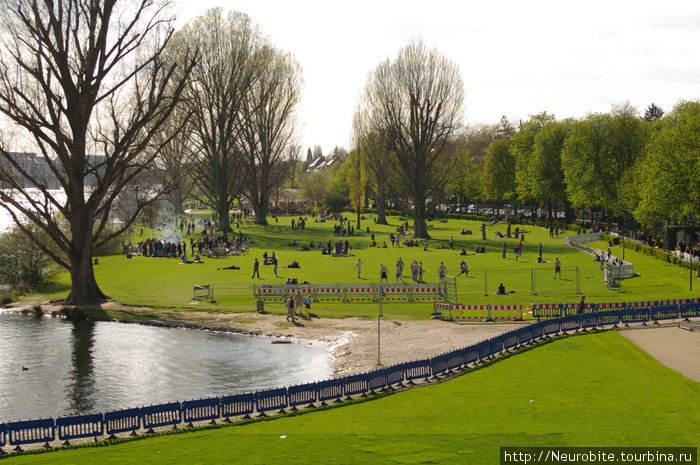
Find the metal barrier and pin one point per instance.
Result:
(570, 323)
(537, 330)
(551, 327)
(409, 292)
(168, 414)
(438, 365)
(122, 421)
(690, 310)
(376, 379)
(483, 349)
(663, 312)
(331, 389)
(395, 374)
(355, 384)
(238, 405)
(496, 345)
(3, 435)
(271, 399)
(546, 311)
(454, 360)
(31, 431)
(201, 410)
(201, 291)
(609, 317)
(634, 315)
(302, 394)
(417, 369)
(469, 355)
(82, 426)
(524, 336)
(510, 339)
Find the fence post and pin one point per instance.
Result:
(486, 287)
(578, 280)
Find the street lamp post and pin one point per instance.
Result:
(692, 230)
(379, 333)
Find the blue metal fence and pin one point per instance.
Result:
(302, 394)
(418, 369)
(331, 389)
(122, 421)
(130, 420)
(271, 399)
(82, 426)
(31, 431)
(201, 410)
(238, 405)
(355, 384)
(376, 379)
(469, 355)
(395, 374)
(690, 310)
(169, 414)
(438, 365)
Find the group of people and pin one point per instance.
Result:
(295, 302)
(416, 271)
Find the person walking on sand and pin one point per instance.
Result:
(358, 267)
(557, 268)
(290, 309)
(298, 300)
(383, 274)
(256, 269)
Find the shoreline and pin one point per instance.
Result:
(351, 342)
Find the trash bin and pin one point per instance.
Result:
(96, 261)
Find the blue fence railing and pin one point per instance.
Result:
(131, 420)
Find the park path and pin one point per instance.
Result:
(671, 346)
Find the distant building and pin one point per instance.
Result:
(37, 168)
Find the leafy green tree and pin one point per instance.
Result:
(523, 147)
(667, 180)
(498, 179)
(547, 177)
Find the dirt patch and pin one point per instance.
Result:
(670, 345)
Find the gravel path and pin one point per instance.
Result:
(670, 345)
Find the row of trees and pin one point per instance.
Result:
(122, 110)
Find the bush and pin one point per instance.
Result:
(21, 260)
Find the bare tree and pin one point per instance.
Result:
(173, 168)
(377, 161)
(266, 126)
(79, 75)
(214, 97)
(415, 102)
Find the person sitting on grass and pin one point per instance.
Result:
(501, 289)
(294, 264)
(232, 267)
(463, 252)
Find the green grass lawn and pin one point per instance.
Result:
(164, 283)
(592, 390)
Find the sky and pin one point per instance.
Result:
(516, 58)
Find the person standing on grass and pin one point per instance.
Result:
(452, 243)
(442, 271)
(582, 305)
(420, 272)
(399, 270)
(504, 250)
(383, 274)
(256, 269)
(274, 264)
(358, 267)
(557, 268)
(414, 271)
(540, 260)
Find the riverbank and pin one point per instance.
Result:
(352, 342)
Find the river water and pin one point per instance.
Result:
(53, 367)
